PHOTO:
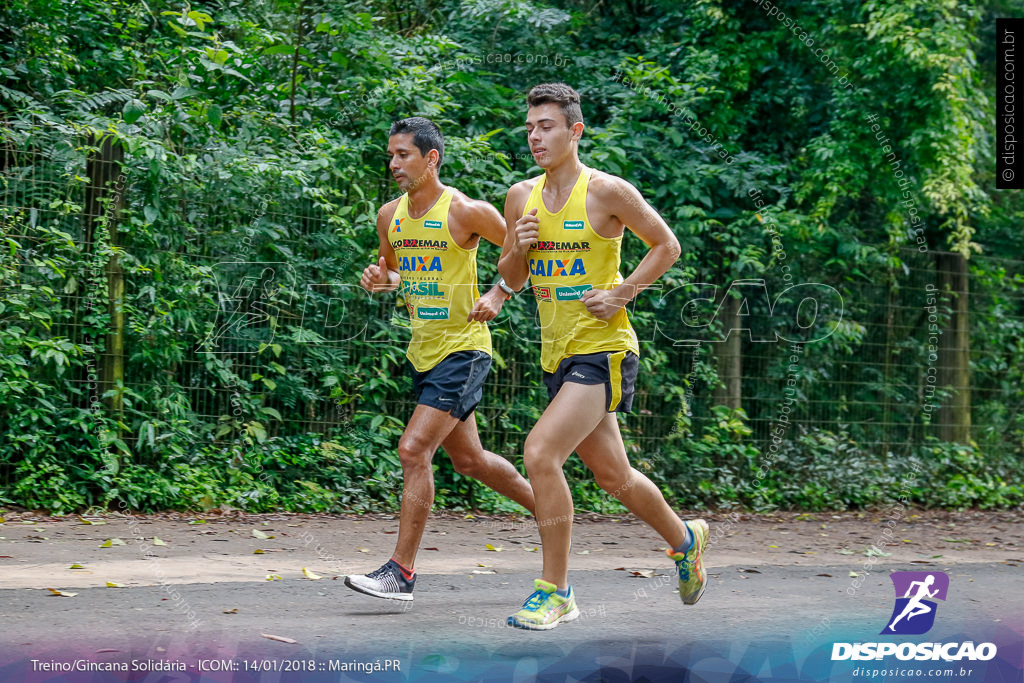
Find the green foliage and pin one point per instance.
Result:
(253, 138)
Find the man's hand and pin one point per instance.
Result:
(527, 232)
(488, 306)
(604, 303)
(375, 278)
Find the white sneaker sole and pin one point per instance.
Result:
(353, 582)
(575, 613)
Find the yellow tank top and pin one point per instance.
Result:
(568, 259)
(438, 285)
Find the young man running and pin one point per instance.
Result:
(428, 244)
(564, 234)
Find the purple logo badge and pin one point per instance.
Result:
(916, 592)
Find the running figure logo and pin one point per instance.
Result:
(914, 612)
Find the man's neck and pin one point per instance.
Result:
(561, 179)
(424, 196)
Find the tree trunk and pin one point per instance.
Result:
(953, 365)
(103, 168)
(729, 357)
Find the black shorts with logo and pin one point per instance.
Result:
(617, 370)
(455, 385)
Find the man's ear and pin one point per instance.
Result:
(433, 158)
(577, 131)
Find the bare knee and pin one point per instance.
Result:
(539, 460)
(414, 454)
(612, 481)
(469, 464)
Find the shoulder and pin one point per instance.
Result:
(524, 187)
(387, 211)
(605, 185)
(464, 207)
(520, 192)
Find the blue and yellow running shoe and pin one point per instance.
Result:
(545, 609)
(690, 565)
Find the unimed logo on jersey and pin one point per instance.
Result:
(433, 225)
(572, 225)
(916, 592)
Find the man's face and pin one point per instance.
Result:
(408, 166)
(548, 134)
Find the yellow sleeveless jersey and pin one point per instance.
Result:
(569, 259)
(438, 285)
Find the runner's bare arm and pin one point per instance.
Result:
(522, 232)
(623, 201)
(480, 218)
(383, 276)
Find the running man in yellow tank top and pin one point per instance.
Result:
(564, 234)
(428, 244)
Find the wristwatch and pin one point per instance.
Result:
(505, 288)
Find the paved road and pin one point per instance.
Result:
(769, 622)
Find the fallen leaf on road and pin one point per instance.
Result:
(63, 594)
(258, 552)
(231, 611)
(828, 575)
(469, 517)
(111, 542)
(106, 649)
(484, 571)
(281, 639)
(114, 584)
(157, 541)
(275, 577)
(583, 552)
(482, 565)
(259, 534)
(620, 569)
(77, 566)
(438, 549)
(362, 550)
(645, 573)
(531, 550)
(310, 575)
(198, 521)
(492, 548)
(90, 521)
(853, 574)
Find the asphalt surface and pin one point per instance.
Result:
(773, 617)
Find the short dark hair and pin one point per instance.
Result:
(561, 94)
(425, 134)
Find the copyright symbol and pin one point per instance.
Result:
(1007, 174)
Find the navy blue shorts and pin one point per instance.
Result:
(616, 370)
(455, 385)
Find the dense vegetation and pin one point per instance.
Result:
(189, 194)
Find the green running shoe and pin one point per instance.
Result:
(545, 609)
(690, 565)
